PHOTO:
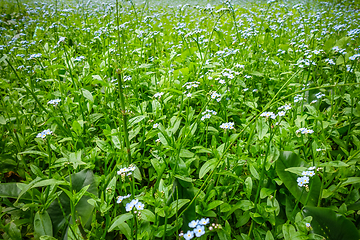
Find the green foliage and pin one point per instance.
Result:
(129, 120)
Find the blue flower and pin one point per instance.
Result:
(199, 231)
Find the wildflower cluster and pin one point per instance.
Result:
(207, 114)
(44, 133)
(127, 78)
(329, 61)
(305, 178)
(285, 107)
(134, 203)
(121, 198)
(268, 114)
(355, 56)
(198, 228)
(229, 125)
(304, 131)
(126, 171)
(158, 95)
(190, 85)
(79, 59)
(216, 96)
(298, 98)
(54, 102)
(319, 95)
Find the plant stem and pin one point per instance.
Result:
(122, 103)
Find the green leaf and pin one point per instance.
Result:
(83, 209)
(87, 94)
(186, 153)
(176, 205)
(290, 232)
(119, 220)
(330, 225)
(28, 187)
(253, 171)
(245, 205)
(110, 190)
(42, 225)
(351, 180)
(34, 152)
(297, 170)
(135, 120)
(48, 182)
(47, 238)
(95, 116)
(77, 127)
(269, 236)
(262, 127)
(287, 160)
(148, 215)
(214, 204)
(248, 187)
(13, 190)
(209, 165)
(104, 146)
(14, 232)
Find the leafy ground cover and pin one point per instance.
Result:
(124, 120)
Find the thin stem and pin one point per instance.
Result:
(122, 103)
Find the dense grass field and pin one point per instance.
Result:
(213, 120)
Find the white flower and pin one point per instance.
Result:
(307, 225)
(158, 95)
(204, 221)
(155, 125)
(139, 206)
(268, 114)
(281, 113)
(193, 223)
(199, 231)
(189, 235)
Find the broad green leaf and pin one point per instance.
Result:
(110, 190)
(14, 232)
(104, 146)
(77, 127)
(176, 205)
(119, 220)
(148, 215)
(135, 120)
(290, 233)
(48, 182)
(248, 187)
(351, 180)
(186, 153)
(27, 187)
(296, 170)
(47, 238)
(209, 165)
(87, 94)
(331, 225)
(288, 160)
(13, 190)
(246, 205)
(214, 204)
(34, 152)
(262, 127)
(94, 117)
(269, 236)
(42, 225)
(83, 208)
(253, 171)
